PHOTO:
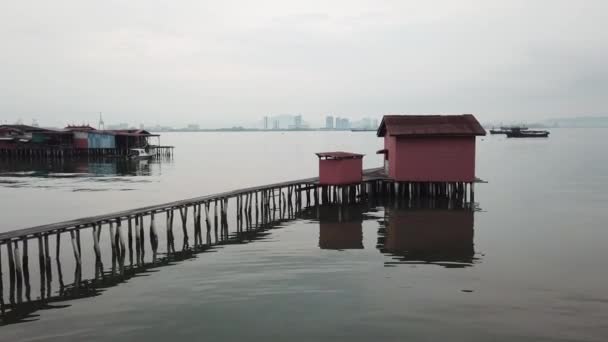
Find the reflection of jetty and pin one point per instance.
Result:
(19, 141)
(139, 233)
(78, 167)
(46, 267)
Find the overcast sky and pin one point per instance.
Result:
(226, 62)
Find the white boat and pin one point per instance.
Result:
(139, 153)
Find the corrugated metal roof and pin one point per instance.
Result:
(339, 155)
(430, 125)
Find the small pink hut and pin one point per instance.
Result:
(430, 148)
(340, 168)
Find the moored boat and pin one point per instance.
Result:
(139, 153)
(519, 133)
(505, 130)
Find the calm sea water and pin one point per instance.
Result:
(528, 266)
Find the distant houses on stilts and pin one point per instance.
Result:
(74, 141)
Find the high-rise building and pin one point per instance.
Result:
(329, 122)
(297, 121)
(342, 123)
(266, 122)
(276, 124)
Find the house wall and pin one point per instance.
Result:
(97, 140)
(81, 140)
(389, 144)
(341, 171)
(432, 159)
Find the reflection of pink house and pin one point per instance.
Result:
(430, 231)
(340, 168)
(430, 148)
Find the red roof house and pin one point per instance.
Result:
(340, 168)
(430, 148)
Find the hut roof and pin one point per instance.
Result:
(134, 133)
(430, 125)
(24, 128)
(339, 155)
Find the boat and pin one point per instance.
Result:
(139, 153)
(525, 133)
(505, 130)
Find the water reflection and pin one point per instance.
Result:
(439, 233)
(69, 168)
(434, 232)
(79, 175)
(340, 227)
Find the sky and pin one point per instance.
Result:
(229, 62)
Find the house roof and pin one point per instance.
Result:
(134, 133)
(339, 155)
(430, 125)
(24, 128)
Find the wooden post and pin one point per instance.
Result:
(183, 211)
(142, 238)
(18, 271)
(75, 248)
(26, 270)
(120, 242)
(1, 285)
(130, 240)
(137, 239)
(41, 263)
(170, 242)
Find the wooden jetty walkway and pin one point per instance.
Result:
(125, 232)
(374, 180)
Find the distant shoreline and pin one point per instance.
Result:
(263, 130)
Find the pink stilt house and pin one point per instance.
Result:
(340, 168)
(430, 148)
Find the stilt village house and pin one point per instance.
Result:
(430, 148)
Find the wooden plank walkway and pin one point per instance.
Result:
(369, 174)
(295, 187)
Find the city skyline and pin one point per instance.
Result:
(220, 64)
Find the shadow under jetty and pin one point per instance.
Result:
(426, 232)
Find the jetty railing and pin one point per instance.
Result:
(119, 239)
